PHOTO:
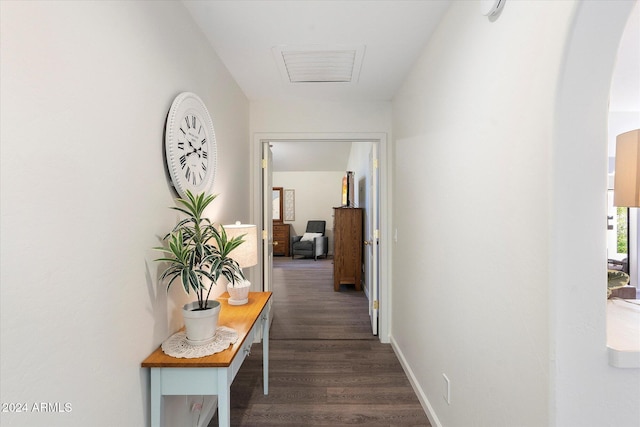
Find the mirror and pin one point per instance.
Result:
(277, 204)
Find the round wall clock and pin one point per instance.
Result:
(190, 145)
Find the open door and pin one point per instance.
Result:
(267, 211)
(373, 248)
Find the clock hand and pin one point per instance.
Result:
(195, 150)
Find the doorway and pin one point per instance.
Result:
(380, 141)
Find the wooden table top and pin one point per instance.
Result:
(241, 318)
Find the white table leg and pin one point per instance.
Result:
(265, 351)
(156, 398)
(224, 398)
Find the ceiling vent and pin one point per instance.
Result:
(319, 64)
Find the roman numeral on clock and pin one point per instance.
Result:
(183, 161)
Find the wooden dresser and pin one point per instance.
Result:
(281, 239)
(347, 247)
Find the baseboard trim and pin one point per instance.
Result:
(426, 405)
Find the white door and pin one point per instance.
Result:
(373, 248)
(267, 210)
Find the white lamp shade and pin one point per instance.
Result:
(626, 187)
(247, 253)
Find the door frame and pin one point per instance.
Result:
(384, 309)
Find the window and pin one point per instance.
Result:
(617, 236)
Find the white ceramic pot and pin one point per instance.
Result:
(201, 325)
(239, 294)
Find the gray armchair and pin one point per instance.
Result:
(311, 245)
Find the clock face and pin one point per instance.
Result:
(190, 145)
(193, 149)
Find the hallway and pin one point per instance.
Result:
(326, 368)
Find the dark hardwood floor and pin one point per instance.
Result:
(306, 306)
(325, 366)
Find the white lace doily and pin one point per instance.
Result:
(177, 346)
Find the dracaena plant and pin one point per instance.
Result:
(197, 252)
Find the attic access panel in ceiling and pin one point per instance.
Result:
(319, 64)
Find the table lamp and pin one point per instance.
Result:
(626, 188)
(246, 255)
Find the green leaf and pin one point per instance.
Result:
(197, 250)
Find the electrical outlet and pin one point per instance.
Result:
(447, 392)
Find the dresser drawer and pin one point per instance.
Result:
(281, 233)
(242, 353)
(245, 350)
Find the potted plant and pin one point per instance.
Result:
(198, 254)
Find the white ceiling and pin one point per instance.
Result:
(245, 34)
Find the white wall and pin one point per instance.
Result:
(500, 144)
(316, 194)
(85, 88)
(320, 117)
(472, 127)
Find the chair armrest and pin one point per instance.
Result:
(321, 245)
(295, 239)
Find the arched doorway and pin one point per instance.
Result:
(578, 214)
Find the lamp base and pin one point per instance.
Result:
(239, 294)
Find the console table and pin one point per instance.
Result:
(212, 375)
